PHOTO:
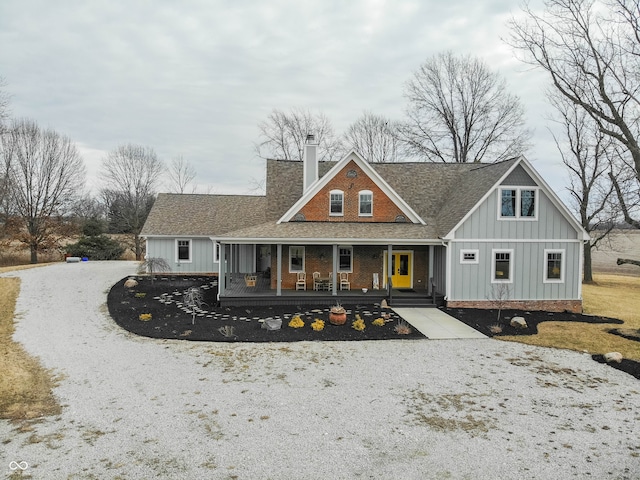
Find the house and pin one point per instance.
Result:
(475, 234)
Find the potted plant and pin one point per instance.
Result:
(337, 315)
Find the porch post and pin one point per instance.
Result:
(430, 279)
(279, 270)
(221, 270)
(334, 276)
(389, 267)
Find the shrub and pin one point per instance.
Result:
(296, 322)
(378, 322)
(358, 324)
(145, 317)
(99, 247)
(318, 325)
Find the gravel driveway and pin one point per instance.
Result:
(427, 409)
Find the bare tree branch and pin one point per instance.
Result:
(460, 111)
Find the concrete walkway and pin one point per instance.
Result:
(437, 325)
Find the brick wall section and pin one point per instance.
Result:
(317, 209)
(573, 306)
(367, 260)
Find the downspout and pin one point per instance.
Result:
(447, 270)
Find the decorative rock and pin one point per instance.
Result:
(518, 322)
(272, 324)
(384, 304)
(613, 357)
(130, 283)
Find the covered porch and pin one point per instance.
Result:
(257, 291)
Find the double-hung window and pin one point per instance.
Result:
(553, 266)
(183, 250)
(502, 268)
(518, 202)
(365, 203)
(336, 203)
(345, 259)
(296, 259)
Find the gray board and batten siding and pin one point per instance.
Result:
(201, 254)
(483, 232)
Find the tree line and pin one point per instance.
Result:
(457, 110)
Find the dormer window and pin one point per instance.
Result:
(336, 203)
(366, 203)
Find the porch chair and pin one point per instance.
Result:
(301, 282)
(316, 281)
(344, 281)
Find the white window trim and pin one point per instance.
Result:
(335, 192)
(493, 264)
(518, 205)
(216, 252)
(546, 278)
(190, 259)
(360, 193)
(476, 259)
(303, 258)
(350, 270)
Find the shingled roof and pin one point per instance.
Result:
(176, 214)
(440, 193)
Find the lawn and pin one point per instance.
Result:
(25, 386)
(613, 296)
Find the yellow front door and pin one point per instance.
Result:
(401, 269)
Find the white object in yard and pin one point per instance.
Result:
(518, 322)
(365, 290)
(272, 324)
(613, 357)
(73, 259)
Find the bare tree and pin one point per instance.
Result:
(131, 173)
(585, 152)
(4, 104)
(45, 172)
(460, 111)
(591, 52)
(283, 135)
(375, 137)
(181, 174)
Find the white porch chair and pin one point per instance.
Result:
(301, 282)
(344, 281)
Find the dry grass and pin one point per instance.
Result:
(613, 296)
(25, 386)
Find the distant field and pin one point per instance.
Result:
(621, 244)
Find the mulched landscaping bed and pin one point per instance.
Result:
(485, 321)
(170, 318)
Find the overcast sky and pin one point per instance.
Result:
(195, 77)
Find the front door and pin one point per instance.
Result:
(401, 269)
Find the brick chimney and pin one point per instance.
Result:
(310, 162)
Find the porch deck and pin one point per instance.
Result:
(237, 293)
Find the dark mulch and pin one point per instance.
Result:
(485, 320)
(171, 319)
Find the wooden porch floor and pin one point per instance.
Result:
(237, 293)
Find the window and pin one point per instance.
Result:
(502, 266)
(527, 203)
(469, 256)
(508, 205)
(183, 250)
(296, 259)
(366, 203)
(345, 257)
(517, 203)
(554, 266)
(336, 206)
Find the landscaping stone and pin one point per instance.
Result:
(613, 357)
(518, 322)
